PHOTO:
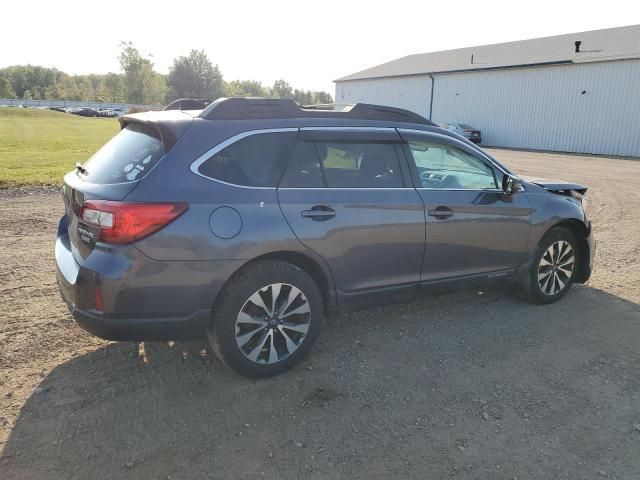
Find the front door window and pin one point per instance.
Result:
(446, 167)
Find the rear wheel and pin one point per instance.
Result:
(553, 268)
(266, 319)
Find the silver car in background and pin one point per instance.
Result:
(467, 131)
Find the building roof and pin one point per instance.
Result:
(595, 46)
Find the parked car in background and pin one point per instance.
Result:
(467, 131)
(188, 104)
(251, 220)
(109, 112)
(86, 112)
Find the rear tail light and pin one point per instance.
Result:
(126, 222)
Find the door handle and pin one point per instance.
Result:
(319, 213)
(441, 213)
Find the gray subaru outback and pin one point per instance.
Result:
(250, 221)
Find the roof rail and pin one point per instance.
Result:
(243, 108)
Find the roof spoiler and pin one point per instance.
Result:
(169, 125)
(242, 108)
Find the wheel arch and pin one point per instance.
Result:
(581, 232)
(320, 275)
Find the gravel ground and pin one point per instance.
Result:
(469, 384)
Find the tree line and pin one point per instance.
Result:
(191, 76)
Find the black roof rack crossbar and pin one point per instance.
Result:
(238, 108)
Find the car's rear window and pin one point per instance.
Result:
(127, 157)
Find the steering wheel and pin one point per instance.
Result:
(432, 179)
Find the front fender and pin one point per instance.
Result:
(551, 210)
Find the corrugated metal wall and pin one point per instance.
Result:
(539, 108)
(412, 93)
(544, 108)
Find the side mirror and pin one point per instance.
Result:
(511, 184)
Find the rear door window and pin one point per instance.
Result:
(304, 169)
(127, 157)
(343, 164)
(360, 165)
(254, 161)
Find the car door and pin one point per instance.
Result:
(473, 227)
(347, 195)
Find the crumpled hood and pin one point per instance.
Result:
(556, 185)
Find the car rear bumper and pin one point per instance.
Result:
(190, 327)
(78, 290)
(123, 295)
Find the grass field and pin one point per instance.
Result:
(37, 147)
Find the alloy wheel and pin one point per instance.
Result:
(556, 267)
(273, 323)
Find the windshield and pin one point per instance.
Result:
(127, 157)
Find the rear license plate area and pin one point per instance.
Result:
(88, 233)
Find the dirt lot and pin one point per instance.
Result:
(464, 385)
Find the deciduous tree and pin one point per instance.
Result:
(194, 76)
(114, 87)
(281, 89)
(6, 90)
(138, 72)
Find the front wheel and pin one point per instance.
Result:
(266, 319)
(553, 267)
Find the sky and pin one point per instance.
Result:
(308, 43)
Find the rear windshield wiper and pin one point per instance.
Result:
(81, 169)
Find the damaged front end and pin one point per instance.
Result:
(560, 187)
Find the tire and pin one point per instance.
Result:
(251, 336)
(553, 267)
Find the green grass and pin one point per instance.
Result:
(37, 147)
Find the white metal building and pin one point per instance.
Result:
(572, 93)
